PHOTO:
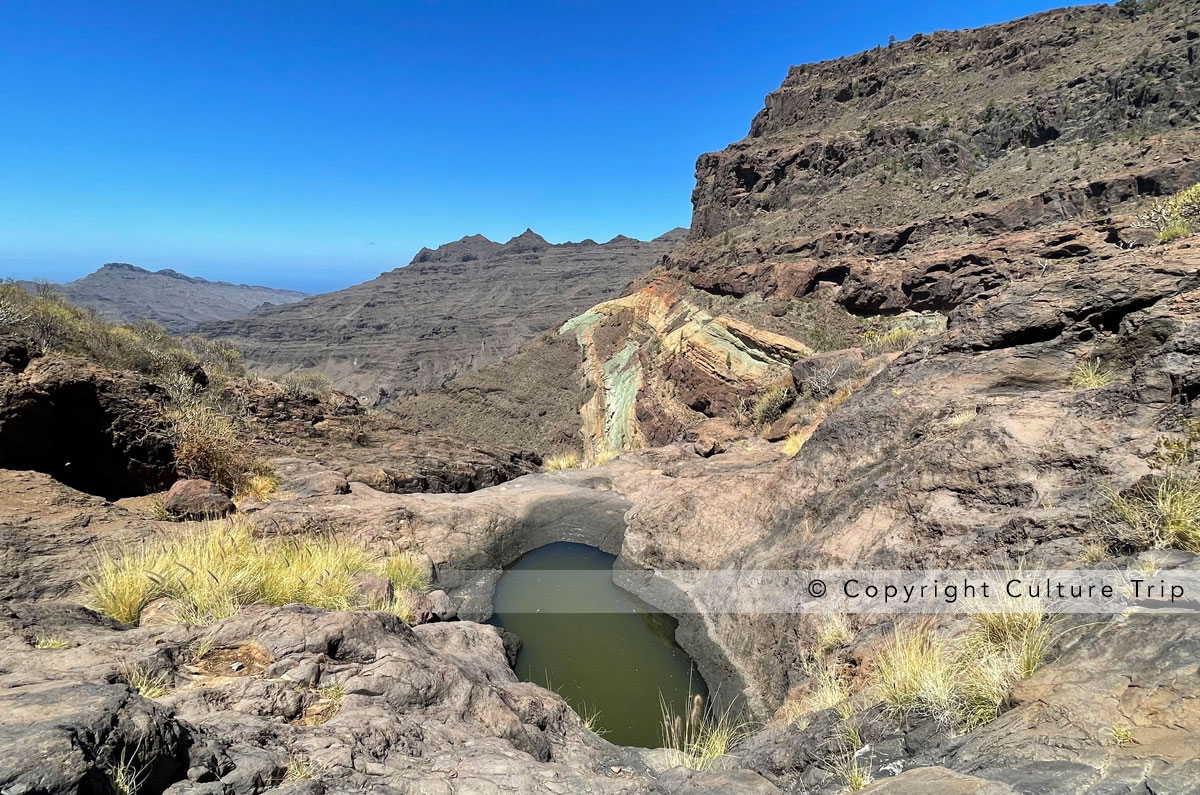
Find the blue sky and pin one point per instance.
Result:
(314, 145)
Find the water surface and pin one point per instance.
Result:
(599, 647)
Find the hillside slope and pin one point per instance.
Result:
(451, 311)
(127, 294)
(871, 189)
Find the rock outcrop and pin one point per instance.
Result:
(97, 430)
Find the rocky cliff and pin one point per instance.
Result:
(124, 293)
(450, 311)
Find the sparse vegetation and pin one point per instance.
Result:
(1174, 217)
(770, 405)
(795, 442)
(1122, 734)
(853, 773)
(963, 684)
(569, 459)
(1161, 515)
(302, 769)
(145, 682)
(1091, 374)
(1170, 451)
(891, 341)
(260, 486)
(206, 441)
(124, 776)
(214, 572)
(960, 418)
(1094, 553)
(307, 383)
(50, 642)
(602, 457)
(834, 630)
(702, 736)
(147, 348)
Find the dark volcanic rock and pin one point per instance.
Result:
(449, 312)
(66, 737)
(197, 499)
(94, 429)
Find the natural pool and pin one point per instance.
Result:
(599, 647)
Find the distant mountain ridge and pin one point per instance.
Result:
(450, 311)
(125, 293)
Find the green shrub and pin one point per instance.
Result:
(1174, 217)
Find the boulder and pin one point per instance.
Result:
(443, 606)
(198, 499)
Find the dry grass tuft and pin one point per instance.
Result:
(1164, 515)
(795, 442)
(602, 457)
(303, 769)
(146, 683)
(697, 740)
(51, 642)
(1091, 374)
(1094, 553)
(124, 777)
(1122, 734)
(891, 341)
(259, 487)
(212, 573)
(964, 684)
(835, 629)
(307, 383)
(569, 459)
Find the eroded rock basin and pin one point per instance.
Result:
(604, 650)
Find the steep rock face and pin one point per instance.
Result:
(123, 293)
(97, 430)
(449, 312)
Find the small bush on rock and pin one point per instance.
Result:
(307, 383)
(770, 405)
(1174, 217)
(891, 341)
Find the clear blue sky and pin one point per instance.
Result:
(313, 145)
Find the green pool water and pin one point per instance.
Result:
(599, 647)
